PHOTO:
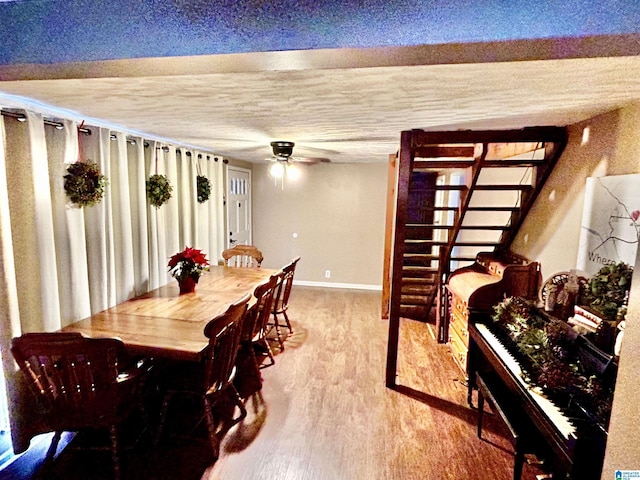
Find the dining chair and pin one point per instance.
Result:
(80, 384)
(257, 325)
(242, 256)
(281, 299)
(212, 379)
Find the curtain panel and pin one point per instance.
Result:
(60, 263)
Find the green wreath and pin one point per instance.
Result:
(158, 190)
(204, 188)
(84, 184)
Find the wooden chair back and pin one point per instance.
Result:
(281, 301)
(224, 333)
(261, 310)
(243, 256)
(75, 379)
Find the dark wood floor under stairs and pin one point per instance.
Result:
(325, 413)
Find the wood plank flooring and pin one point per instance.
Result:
(324, 412)
(327, 414)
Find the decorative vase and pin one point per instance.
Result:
(187, 285)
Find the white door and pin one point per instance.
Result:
(238, 206)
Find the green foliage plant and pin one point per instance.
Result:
(607, 290)
(158, 190)
(84, 184)
(204, 188)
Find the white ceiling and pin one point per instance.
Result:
(349, 106)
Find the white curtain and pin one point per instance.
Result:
(9, 311)
(60, 263)
(142, 261)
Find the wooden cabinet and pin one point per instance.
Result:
(458, 330)
(481, 286)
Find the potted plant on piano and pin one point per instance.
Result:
(555, 358)
(186, 267)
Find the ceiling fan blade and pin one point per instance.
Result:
(311, 160)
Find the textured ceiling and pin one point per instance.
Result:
(156, 74)
(347, 115)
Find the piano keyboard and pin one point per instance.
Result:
(559, 420)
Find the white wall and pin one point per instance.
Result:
(338, 214)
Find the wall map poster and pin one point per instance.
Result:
(610, 227)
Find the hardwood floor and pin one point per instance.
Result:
(328, 415)
(324, 412)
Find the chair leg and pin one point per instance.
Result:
(163, 417)
(269, 353)
(276, 324)
(211, 427)
(238, 400)
(286, 318)
(115, 458)
(254, 358)
(53, 448)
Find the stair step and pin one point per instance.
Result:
(493, 209)
(476, 244)
(445, 209)
(419, 281)
(419, 232)
(494, 187)
(418, 289)
(418, 272)
(419, 259)
(412, 246)
(414, 227)
(441, 164)
(522, 162)
(432, 226)
(424, 242)
(484, 227)
(462, 259)
(414, 300)
(415, 312)
(444, 151)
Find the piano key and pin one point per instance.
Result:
(555, 414)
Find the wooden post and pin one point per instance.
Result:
(388, 235)
(402, 195)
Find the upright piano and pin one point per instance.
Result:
(480, 286)
(570, 438)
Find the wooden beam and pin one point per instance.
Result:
(402, 198)
(499, 151)
(443, 151)
(441, 164)
(388, 235)
(531, 134)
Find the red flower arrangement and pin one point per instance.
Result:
(189, 263)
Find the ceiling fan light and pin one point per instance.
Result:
(276, 170)
(293, 172)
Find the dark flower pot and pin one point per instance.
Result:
(188, 285)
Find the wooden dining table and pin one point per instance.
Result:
(164, 324)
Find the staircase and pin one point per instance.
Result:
(460, 193)
(457, 194)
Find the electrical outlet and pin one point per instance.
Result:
(327, 274)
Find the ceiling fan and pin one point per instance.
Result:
(283, 151)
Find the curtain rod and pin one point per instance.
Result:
(58, 125)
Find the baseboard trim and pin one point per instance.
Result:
(349, 286)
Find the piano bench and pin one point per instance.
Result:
(510, 420)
